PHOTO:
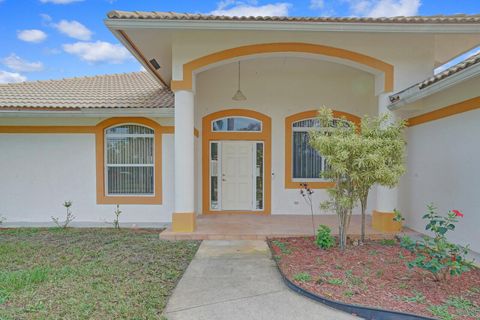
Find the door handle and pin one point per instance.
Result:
(224, 179)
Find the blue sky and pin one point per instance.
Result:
(52, 39)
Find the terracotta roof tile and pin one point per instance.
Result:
(473, 60)
(458, 18)
(128, 90)
(459, 67)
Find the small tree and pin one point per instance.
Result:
(69, 217)
(336, 143)
(380, 157)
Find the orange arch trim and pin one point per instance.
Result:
(265, 135)
(190, 67)
(289, 183)
(102, 197)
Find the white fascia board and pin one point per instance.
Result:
(121, 24)
(415, 93)
(90, 113)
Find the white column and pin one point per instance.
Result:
(386, 197)
(184, 152)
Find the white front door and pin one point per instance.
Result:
(237, 175)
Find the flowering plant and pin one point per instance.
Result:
(435, 254)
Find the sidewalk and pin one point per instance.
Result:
(237, 279)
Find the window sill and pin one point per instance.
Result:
(129, 200)
(311, 184)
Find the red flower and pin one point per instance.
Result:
(457, 213)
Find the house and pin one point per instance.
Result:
(220, 122)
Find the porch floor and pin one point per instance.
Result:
(261, 227)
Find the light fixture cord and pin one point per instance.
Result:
(239, 75)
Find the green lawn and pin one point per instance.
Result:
(88, 273)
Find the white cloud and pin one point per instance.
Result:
(18, 64)
(317, 4)
(74, 29)
(32, 35)
(59, 1)
(11, 77)
(240, 8)
(99, 51)
(383, 8)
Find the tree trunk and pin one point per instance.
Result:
(363, 204)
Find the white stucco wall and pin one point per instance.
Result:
(38, 172)
(279, 87)
(443, 169)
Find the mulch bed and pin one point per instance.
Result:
(375, 275)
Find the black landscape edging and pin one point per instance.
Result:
(369, 313)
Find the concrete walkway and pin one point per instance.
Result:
(237, 279)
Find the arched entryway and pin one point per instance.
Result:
(359, 59)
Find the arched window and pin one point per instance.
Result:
(129, 160)
(302, 162)
(236, 124)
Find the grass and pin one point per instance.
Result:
(302, 277)
(441, 312)
(282, 246)
(88, 273)
(418, 297)
(335, 281)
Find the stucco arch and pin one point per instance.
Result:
(189, 68)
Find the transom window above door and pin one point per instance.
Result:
(236, 124)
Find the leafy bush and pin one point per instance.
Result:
(398, 216)
(437, 255)
(324, 238)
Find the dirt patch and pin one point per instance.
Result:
(376, 275)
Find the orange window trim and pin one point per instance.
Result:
(451, 110)
(289, 183)
(265, 135)
(190, 67)
(102, 197)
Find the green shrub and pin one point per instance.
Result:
(324, 237)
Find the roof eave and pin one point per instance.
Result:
(127, 42)
(120, 24)
(414, 93)
(88, 112)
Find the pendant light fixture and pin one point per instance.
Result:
(239, 96)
